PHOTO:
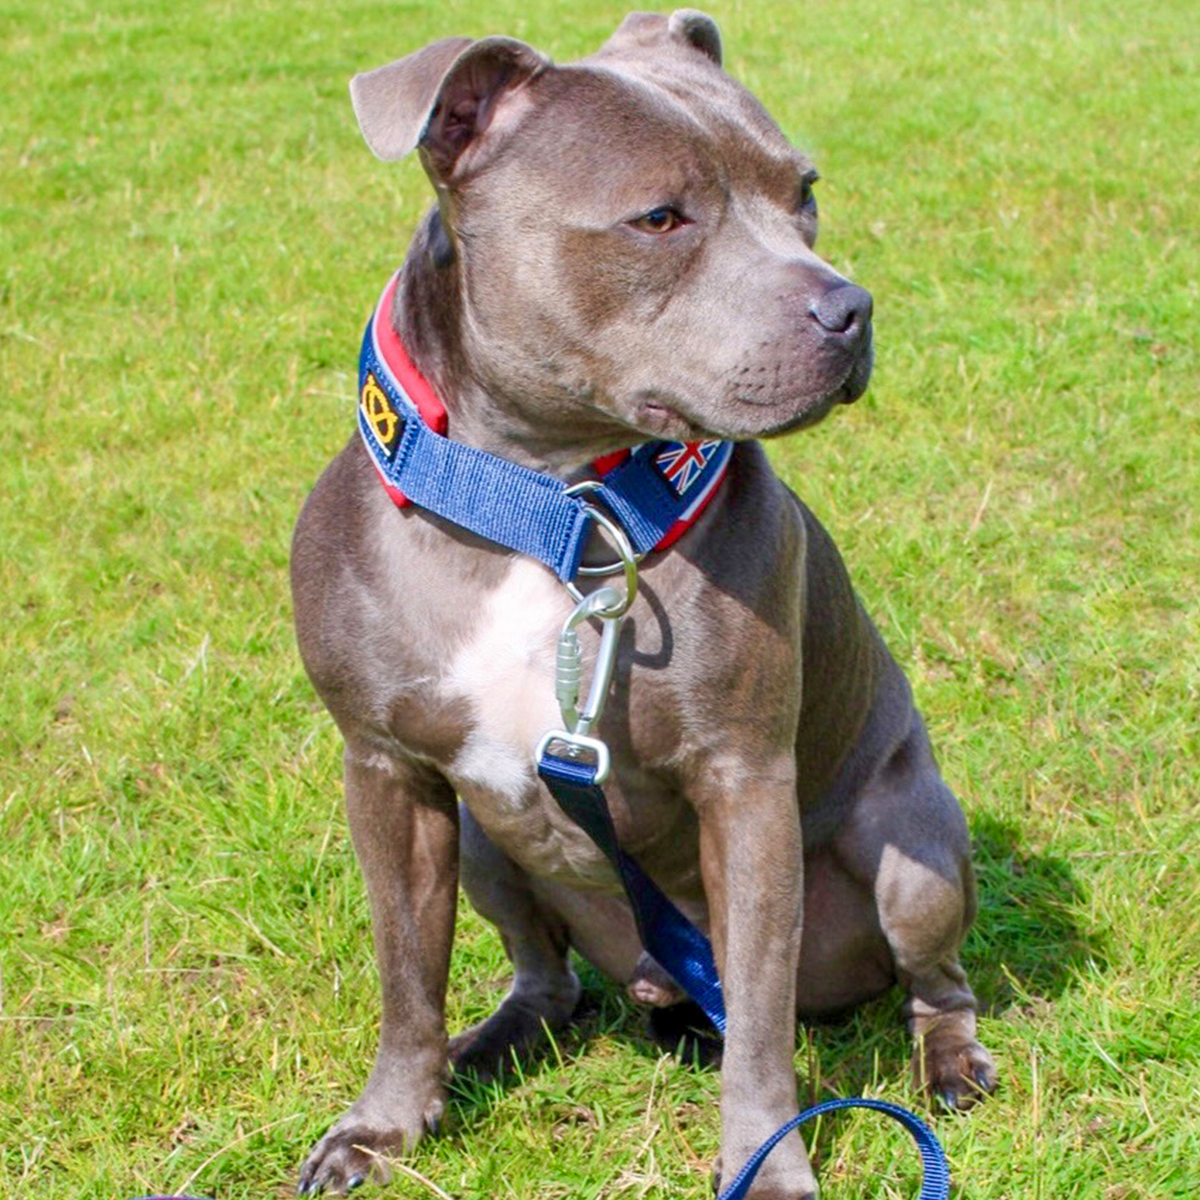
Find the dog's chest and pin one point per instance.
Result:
(504, 673)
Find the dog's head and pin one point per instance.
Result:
(631, 235)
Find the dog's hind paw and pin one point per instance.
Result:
(518, 1026)
(956, 1073)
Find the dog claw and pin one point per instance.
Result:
(355, 1181)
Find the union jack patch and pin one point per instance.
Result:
(682, 463)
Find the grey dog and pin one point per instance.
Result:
(622, 250)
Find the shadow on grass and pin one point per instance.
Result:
(603, 1011)
(1023, 948)
(1026, 942)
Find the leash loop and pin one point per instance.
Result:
(678, 946)
(935, 1179)
(576, 743)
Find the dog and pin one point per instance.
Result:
(622, 251)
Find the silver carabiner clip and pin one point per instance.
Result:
(568, 664)
(578, 724)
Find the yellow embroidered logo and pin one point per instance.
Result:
(379, 412)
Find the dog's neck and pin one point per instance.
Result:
(428, 315)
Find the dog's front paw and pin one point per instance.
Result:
(955, 1070)
(357, 1148)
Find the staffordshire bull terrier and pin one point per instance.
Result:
(622, 251)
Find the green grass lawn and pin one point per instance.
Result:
(191, 235)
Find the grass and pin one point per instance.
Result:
(191, 234)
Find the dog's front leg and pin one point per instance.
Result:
(404, 823)
(752, 862)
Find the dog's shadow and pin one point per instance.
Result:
(1027, 942)
(603, 1011)
(1023, 949)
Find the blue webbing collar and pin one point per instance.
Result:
(655, 493)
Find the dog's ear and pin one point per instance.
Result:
(697, 29)
(685, 25)
(441, 98)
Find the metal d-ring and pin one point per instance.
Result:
(627, 557)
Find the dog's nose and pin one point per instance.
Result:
(845, 309)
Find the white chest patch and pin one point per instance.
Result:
(506, 672)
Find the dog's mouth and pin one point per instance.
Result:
(659, 419)
(743, 417)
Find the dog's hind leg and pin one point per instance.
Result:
(907, 840)
(545, 990)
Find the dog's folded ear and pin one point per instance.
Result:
(685, 26)
(441, 98)
(698, 30)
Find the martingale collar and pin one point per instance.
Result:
(657, 490)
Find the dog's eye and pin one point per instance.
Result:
(660, 220)
(806, 200)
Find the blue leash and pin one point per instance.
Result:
(679, 947)
(673, 941)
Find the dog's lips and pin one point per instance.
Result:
(741, 418)
(657, 418)
(810, 410)
(669, 423)
(859, 376)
